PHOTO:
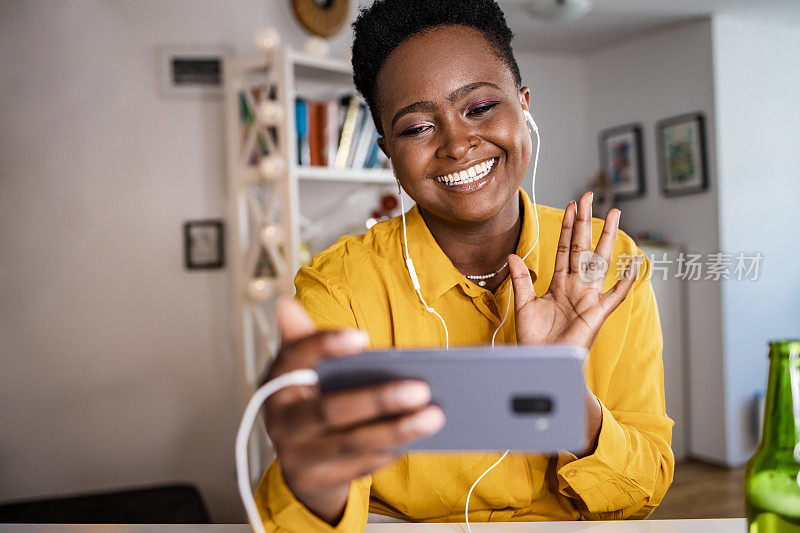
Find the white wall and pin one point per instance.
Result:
(116, 364)
(559, 105)
(757, 71)
(644, 80)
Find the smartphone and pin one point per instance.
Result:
(524, 398)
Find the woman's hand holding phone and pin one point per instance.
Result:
(325, 441)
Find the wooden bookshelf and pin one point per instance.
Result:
(264, 214)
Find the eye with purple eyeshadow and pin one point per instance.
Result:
(414, 129)
(482, 106)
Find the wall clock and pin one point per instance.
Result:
(322, 17)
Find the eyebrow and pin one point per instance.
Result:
(427, 105)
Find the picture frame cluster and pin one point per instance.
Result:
(681, 153)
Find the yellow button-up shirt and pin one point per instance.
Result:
(362, 282)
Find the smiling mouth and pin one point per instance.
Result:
(469, 175)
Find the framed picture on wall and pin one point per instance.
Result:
(682, 154)
(622, 161)
(203, 243)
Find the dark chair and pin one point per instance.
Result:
(170, 504)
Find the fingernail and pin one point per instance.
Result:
(413, 394)
(428, 421)
(350, 339)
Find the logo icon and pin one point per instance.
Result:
(591, 266)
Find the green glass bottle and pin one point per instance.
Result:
(772, 478)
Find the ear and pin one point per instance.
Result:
(382, 146)
(525, 98)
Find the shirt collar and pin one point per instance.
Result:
(436, 272)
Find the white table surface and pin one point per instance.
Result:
(727, 525)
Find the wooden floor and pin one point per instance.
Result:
(701, 490)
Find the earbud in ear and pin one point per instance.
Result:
(529, 119)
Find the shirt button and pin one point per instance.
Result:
(571, 473)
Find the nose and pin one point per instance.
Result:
(456, 140)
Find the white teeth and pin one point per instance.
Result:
(473, 173)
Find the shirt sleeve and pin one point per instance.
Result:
(632, 466)
(327, 304)
(282, 512)
(325, 300)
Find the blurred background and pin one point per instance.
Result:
(135, 134)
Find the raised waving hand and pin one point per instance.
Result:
(574, 307)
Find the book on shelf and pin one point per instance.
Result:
(337, 133)
(301, 124)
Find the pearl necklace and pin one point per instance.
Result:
(483, 277)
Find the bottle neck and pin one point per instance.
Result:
(782, 409)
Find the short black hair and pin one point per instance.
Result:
(383, 26)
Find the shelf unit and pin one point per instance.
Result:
(264, 200)
(369, 175)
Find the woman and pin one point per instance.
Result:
(446, 96)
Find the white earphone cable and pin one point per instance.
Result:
(296, 377)
(535, 130)
(469, 494)
(413, 273)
